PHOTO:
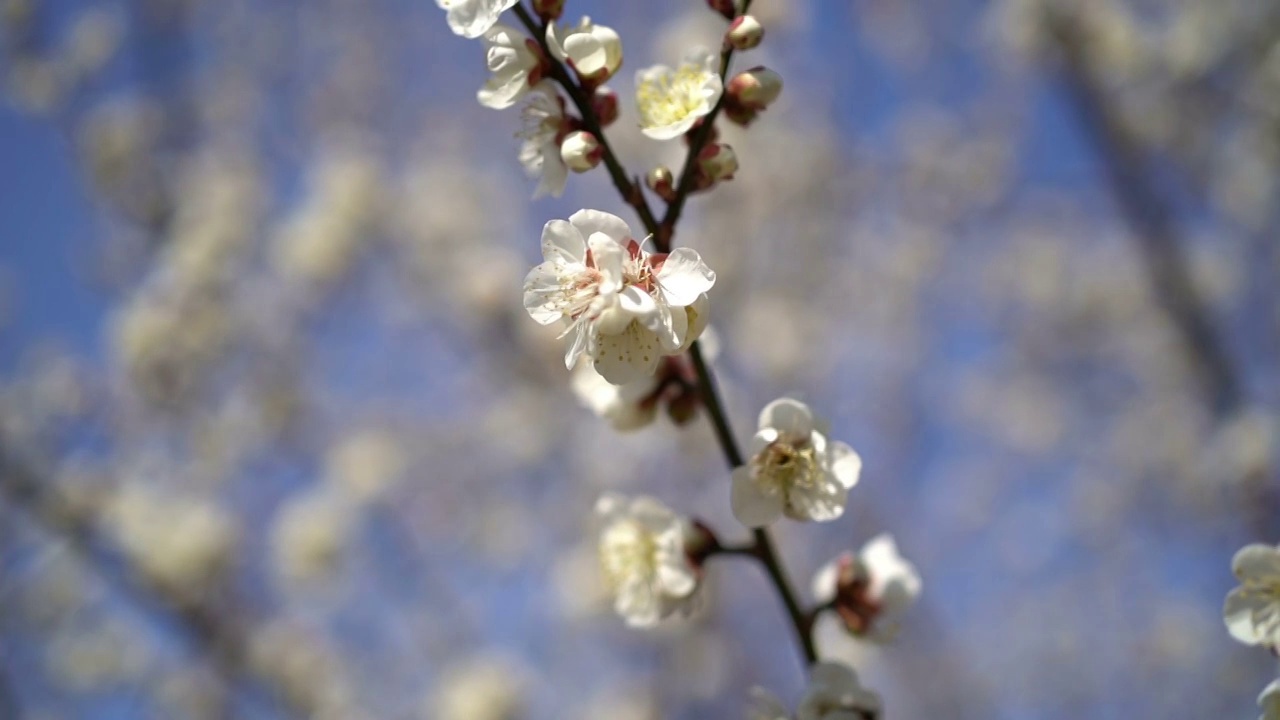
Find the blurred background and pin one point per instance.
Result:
(277, 439)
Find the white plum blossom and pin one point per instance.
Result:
(622, 307)
(644, 560)
(1252, 611)
(793, 470)
(871, 590)
(834, 693)
(593, 51)
(515, 66)
(1269, 701)
(472, 18)
(671, 101)
(544, 125)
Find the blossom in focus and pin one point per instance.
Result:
(622, 307)
(515, 66)
(581, 151)
(1252, 611)
(473, 18)
(644, 560)
(871, 590)
(593, 51)
(671, 101)
(544, 126)
(1269, 701)
(834, 693)
(793, 470)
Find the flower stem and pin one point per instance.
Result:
(762, 547)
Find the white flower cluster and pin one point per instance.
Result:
(630, 308)
(1252, 610)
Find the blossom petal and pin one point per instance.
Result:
(822, 503)
(629, 355)
(790, 418)
(639, 304)
(472, 18)
(638, 603)
(824, 581)
(538, 284)
(1256, 561)
(764, 706)
(563, 243)
(846, 465)
(684, 277)
(676, 580)
(752, 507)
(1238, 613)
(696, 316)
(589, 222)
(577, 346)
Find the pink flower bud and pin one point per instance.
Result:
(548, 10)
(604, 103)
(755, 89)
(744, 33)
(581, 151)
(661, 182)
(727, 8)
(716, 163)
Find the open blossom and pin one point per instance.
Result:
(593, 51)
(870, 590)
(471, 18)
(1269, 701)
(622, 307)
(793, 470)
(834, 693)
(515, 66)
(544, 125)
(671, 101)
(1252, 611)
(644, 560)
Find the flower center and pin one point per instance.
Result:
(627, 550)
(671, 98)
(783, 466)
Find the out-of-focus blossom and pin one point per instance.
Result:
(487, 687)
(622, 307)
(644, 559)
(308, 536)
(1269, 701)
(834, 693)
(593, 51)
(871, 590)
(544, 126)
(472, 18)
(180, 543)
(793, 469)
(515, 66)
(1252, 611)
(365, 464)
(671, 101)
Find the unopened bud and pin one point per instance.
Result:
(716, 163)
(604, 103)
(661, 182)
(755, 89)
(581, 151)
(548, 10)
(744, 33)
(727, 8)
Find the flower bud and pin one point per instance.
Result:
(727, 8)
(581, 151)
(716, 163)
(744, 33)
(548, 10)
(661, 182)
(755, 89)
(604, 103)
(593, 51)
